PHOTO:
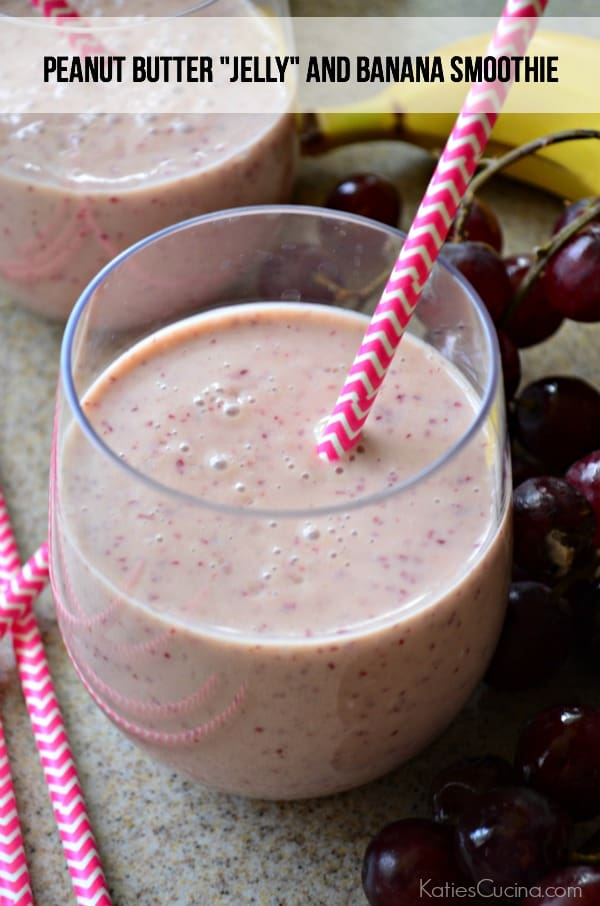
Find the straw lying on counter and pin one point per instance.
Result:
(425, 237)
(19, 588)
(14, 876)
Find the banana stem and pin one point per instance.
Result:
(544, 252)
(495, 165)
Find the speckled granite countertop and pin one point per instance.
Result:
(163, 840)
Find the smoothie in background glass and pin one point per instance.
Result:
(271, 624)
(76, 189)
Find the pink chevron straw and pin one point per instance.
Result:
(61, 11)
(15, 886)
(66, 796)
(55, 9)
(430, 227)
(14, 877)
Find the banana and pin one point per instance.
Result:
(569, 170)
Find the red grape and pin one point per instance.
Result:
(535, 319)
(485, 271)
(455, 786)
(585, 476)
(406, 855)
(553, 527)
(535, 639)
(557, 419)
(368, 195)
(576, 884)
(572, 211)
(511, 836)
(571, 281)
(481, 225)
(558, 754)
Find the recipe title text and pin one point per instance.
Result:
(102, 68)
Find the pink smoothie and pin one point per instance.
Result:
(76, 189)
(271, 624)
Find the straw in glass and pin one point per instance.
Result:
(55, 9)
(430, 227)
(66, 796)
(85, 45)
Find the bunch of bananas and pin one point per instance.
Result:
(570, 170)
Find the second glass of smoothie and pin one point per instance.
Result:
(270, 624)
(76, 189)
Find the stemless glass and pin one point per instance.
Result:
(160, 592)
(78, 188)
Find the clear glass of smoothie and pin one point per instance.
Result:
(78, 188)
(270, 624)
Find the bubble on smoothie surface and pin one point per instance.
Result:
(231, 408)
(218, 461)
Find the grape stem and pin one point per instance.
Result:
(590, 852)
(353, 298)
(494, 165)
(544, 252)
(587, 571)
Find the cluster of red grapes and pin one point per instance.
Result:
(500, 826)
(500, 832)
(569, 286)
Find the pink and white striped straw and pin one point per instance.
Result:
(61, 11)
(66, 796)
(430, 227)
(55, 9)
(14, 876)
(15, 886)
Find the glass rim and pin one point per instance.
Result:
(67, 382)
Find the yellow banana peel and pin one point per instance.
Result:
(570, 170)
